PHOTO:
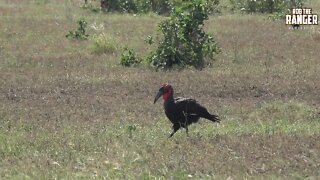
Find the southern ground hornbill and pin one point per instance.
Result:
(182, 111)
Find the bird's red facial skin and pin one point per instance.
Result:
(167, 92)
(166, 96)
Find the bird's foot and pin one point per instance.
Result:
(170, 135)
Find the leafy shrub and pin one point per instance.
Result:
(266, 6)
(80, 33)
(149, 40)
(129, 58)
(184, 41)
(103, 44)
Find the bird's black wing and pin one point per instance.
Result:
(191, 107)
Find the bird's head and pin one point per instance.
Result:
(166, 91)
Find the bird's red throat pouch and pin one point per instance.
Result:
(167, 94)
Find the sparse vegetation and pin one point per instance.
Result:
(80, 33)
(162, 7)
(103, 44)
(68, 113)
(129, 57)
(266, 6)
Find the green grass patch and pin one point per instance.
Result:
(103, 44)
(131, 149)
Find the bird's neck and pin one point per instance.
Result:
(168, 95)
(169, 100)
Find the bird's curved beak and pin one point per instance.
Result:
(160, 93)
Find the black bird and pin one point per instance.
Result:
(182, 111)
(295, 26)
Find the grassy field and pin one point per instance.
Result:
(68, 113)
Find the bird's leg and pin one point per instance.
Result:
(187, 130)
(186, 122)
(175, 127)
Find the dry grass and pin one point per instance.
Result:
(67, 113)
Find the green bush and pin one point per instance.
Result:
(129, 58)
(80, 33)
(103, 44)
(184, 41)
(265, 6)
